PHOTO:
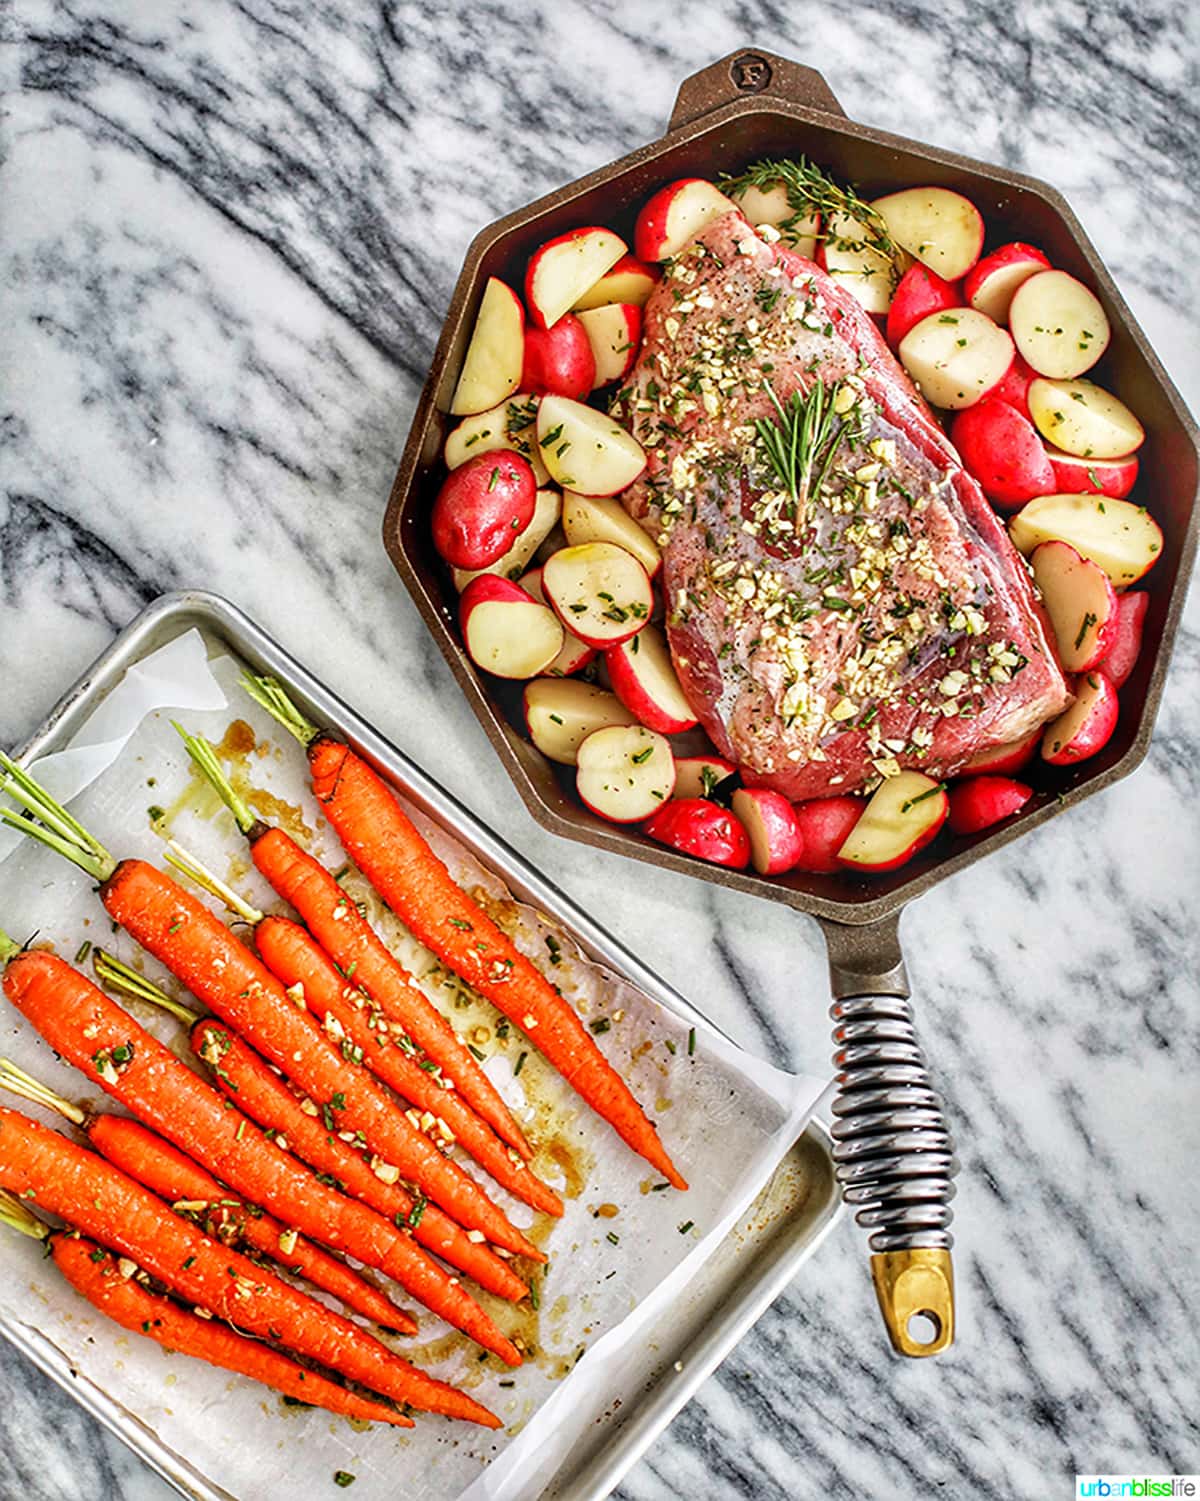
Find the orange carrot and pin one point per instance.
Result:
(296, 959)
(200, 951)
(88, 1029)
(391, 852)
(93, 1196)
(97, 1275)
(266, 1098)
(173, 1176)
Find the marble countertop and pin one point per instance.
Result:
(230, 232)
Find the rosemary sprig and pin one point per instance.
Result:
(812, 191)
(799, 445)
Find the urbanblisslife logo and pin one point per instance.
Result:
(1114, 1486)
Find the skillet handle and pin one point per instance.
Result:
(893, 1150)
(751, 71)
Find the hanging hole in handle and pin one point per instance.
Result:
(750, 72)
(924, 1327)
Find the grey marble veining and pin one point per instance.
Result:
(229, 234)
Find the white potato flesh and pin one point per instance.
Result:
(625, 773)
(496, 354)
(941, 228)
(1058, 324)
(772, 206)
(560, 713)
(1122, 538)
(591, 518)
(903, 813)
(852, 261)
(1083, 419)
(564, 270)
(1080, 602)
(513, 638)
(693, 204)
(575, 653)
(547, 508)
(512, 425)
(586, 450)
(956, 357)
(614, 332)
(599, 591)
(644, 677)
(995, 293)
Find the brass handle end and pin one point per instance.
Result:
(916, 1296)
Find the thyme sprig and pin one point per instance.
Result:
(810, 190)
(799, 444)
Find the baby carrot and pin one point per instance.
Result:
(38, 1165)
(295, 1125)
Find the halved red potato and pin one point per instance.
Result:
(920, 293)
(512, 425)
(481, 507)
(956, 358)
(624, 773)
(599, 591)
(1058, 324)
(992, 283)
(643, 678)
(562, 270)
(1003, 451)
(1083, 419)
(630, 280)
(491, 370)
(1122, 538)
(696, 776)
(560, 713)
(547, 508)
(1087, 726)
(1127, 638)
(590, 518)
(825, 823)
(1076, 476)
(979, 802)
(849, 257)
(1080, 601)
(776, 843)
(694, 826)
(614, 332)
(559, 359)
(586, 450)
(675, 215)
(506, 632)
(772, 206)
(903, 815)
(575, 654)
(941, 228)
(1014, 388)
(1014, 756)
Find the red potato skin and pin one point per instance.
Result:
(481, 507)
(1003, 451)
(559, 360)
(1127, 637)
(997, 260)
(695, 826)
(825, 824)
(650, 231)
(915, 848)
(1076, 476)
(979, 802)
(920, 292)
(1014, 388)
(1002, 759)
(1095, 732)
(785, 842)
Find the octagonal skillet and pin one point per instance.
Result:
(894, 1149)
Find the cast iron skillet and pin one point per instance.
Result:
(894, 1148)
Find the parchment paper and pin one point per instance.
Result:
(622, 1252)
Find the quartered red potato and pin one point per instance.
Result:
(827, 478)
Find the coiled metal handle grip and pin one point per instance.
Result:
(894, 1158)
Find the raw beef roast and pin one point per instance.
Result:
(881, 620)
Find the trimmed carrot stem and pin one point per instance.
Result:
(98, 1199)
(112, 1050)
(262, 1094)
(98, 1276)
(296, 959)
